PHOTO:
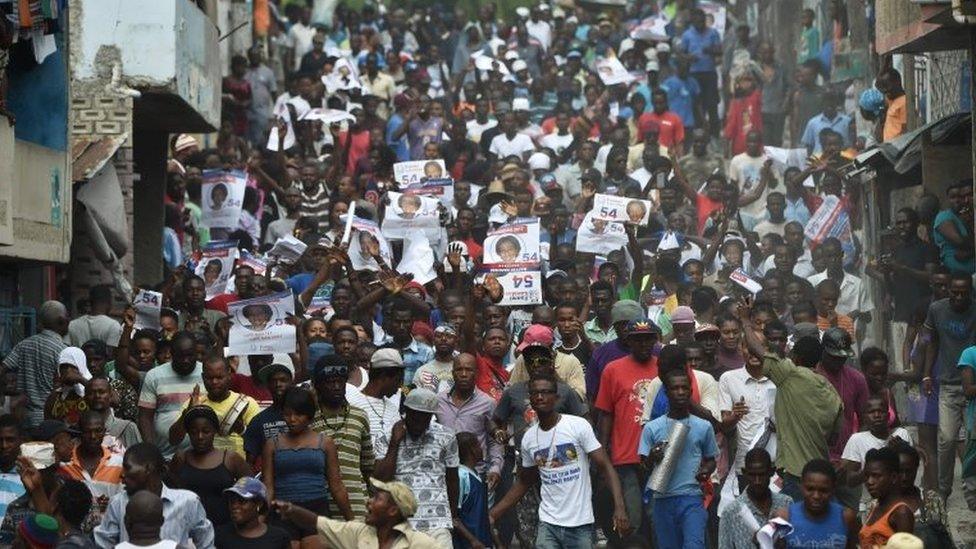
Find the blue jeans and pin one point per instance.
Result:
(551, 536)
(679, 522)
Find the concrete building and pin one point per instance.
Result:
(35, 185)
(140, 71)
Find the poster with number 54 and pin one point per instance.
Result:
(147, 304)
(520, 288)
(610, 207)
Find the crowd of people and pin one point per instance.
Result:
(707, 380)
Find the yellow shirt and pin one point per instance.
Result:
(233, 441)
(569, 370)
(358, 535)
(895, 118)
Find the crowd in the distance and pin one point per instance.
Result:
(708, 377)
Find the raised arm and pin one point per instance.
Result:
(690, 192)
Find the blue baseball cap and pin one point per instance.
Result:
(642, 326)
(249, 488)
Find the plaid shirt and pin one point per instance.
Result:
(35, 360)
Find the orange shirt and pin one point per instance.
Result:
(843, 321)
(107, 480)
(895, 118)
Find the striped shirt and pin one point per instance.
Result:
(35, 360)
(165, 392)
(349, 428)
(316, 204)
(107, 480)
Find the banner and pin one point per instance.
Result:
(147, 304)
(216, 265)
(259, 326)
(222, 196)
(600, 237)
(416, 171)
(832, 220)
(520, 287)
(608, 207)
(254, 262)
(367, 236)
(409, 212)
(513, 246)
(442, 189)
(328, 116)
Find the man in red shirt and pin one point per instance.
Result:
(623, 390)
(672, 129)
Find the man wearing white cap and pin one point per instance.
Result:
(424, 456)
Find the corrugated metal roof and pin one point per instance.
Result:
(89, 155)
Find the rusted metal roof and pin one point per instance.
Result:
(89, 155)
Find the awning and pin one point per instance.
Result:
(904, 152)
(89, 155)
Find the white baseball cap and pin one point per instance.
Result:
(519, 65)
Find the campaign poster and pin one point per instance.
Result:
(329, 116)
(520, 288)
(608, 207)
(259, 326)
(612, 71)
(832, 220)
(442, 189)
(598, 236)
(418, 260)
(147, 305)
(416, 171)
(321, 301)
(409, 212)
(250, 260)
(512, 246)
(364, 240)
(216, 265)
(222, 195)
(287, 249)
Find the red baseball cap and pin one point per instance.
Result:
(536, 335)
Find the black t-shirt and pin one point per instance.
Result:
(906, 290)
(227, 537)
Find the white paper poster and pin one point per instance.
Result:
(742, 279)
(329, 116)
(287, 250)
(418, 260)
(222, 196)
(367, 236)
(442, 189)
(415, 171)
(409, 212)
(520, 288)
(612, 71)
(610, 207)
(147, 304)
(216, 266)
(514, 245)
(259, 326)
(600, 237)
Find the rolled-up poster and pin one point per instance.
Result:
(672, 451)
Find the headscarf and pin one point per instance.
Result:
(74, 356)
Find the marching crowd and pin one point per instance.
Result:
(711, 382)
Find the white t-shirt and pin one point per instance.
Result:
(561, 455)
(759, 395)
(383, 413)
(541, 31)
(746, 170)
(766, 226)
(502, 146)
(556, 142)
(858, 445)
(475, 128)
(163, 544)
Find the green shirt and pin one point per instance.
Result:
(809, 44)
(349, 429)
(596, 334)
(807, 411)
